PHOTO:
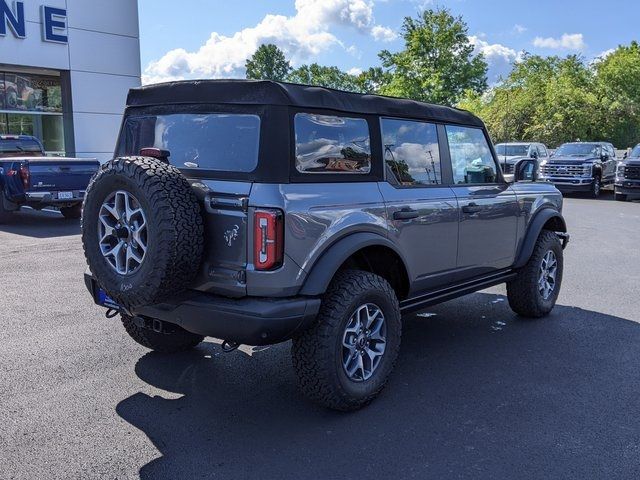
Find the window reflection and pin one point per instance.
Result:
(471, 156)
(329, 144)
(411, 151)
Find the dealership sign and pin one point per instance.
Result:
(54, 22)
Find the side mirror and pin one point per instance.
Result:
(534, 155)
(626, 154)
(526, 171)
(604, 157)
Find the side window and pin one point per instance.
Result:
(411, 151)
(470, 156)
(331, 144)
(543, 151)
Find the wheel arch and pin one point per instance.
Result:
(356, 251)
(545, 219)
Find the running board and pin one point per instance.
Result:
(449, 293)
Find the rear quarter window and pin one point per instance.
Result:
(327, 144)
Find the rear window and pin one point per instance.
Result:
(221, 142)
(331, 144)
(19, 146)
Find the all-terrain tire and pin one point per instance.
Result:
(72, 213)
(523, 292)
(5, 215)
(596, 187)
(621, 197)
(179, 340)
(174, 230)
(317, 352)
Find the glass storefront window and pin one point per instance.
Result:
(32, 105)
(48, 128)
(34, 93)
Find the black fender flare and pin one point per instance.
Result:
(533, 232)
(335, 255)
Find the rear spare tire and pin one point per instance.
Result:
(142, 230)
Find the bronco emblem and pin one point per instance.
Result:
(231, 235)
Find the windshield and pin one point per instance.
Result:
(222, 142)
(578, 150)
(19, 147)
(512, 150)
(635, 153)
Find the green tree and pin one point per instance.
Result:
(437, 64)
(618, 77)
(547, 99)
(321, 76)
(268, 63)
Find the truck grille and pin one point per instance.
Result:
(632, 172)
(562, 170)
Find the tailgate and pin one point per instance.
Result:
(61, 175)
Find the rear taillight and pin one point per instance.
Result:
(268, 235)
(25, 176)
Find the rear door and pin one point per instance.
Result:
(488, 205)
(422, 210)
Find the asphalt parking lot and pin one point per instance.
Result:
(477, 393)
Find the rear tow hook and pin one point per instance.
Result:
(228, 347)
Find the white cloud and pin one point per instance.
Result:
(568, 41)
(354, 71)
(519, 29)
(301, 36)
(383, 34)
(499, 57)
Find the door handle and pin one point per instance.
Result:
(406, 214)
(472, 208)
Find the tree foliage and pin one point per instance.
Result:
(437, 64)
(555, 100)
(268, 63)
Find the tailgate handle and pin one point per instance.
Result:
(406, 214)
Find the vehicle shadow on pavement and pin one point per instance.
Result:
(40, 224)
(477, 393)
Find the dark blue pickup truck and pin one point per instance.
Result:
(29, 178)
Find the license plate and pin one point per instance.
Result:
(106, 301)
(65, 195)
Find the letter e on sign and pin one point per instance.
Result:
(54, 25)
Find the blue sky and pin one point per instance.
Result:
(212, 38)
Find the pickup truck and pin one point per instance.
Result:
(29, 178)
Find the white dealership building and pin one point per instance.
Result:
(65, 69)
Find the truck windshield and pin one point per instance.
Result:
(577, 150)
(635, 153)
(11, 147)
(512, 150)
(221, 142)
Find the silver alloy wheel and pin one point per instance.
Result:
(547, 275)
(364, 342)
(122, 232)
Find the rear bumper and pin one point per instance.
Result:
(249, 320)
(51, 198)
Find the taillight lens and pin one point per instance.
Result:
(25, 175)
(268, 235)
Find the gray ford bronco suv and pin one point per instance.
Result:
(259, 212)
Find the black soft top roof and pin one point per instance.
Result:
(265, 92)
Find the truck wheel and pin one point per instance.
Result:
(344, 361)
(72, 213)
(5, 215)
(142, 230)
(534, 292)
(178, 340)
(596, 187)
(621, 197)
